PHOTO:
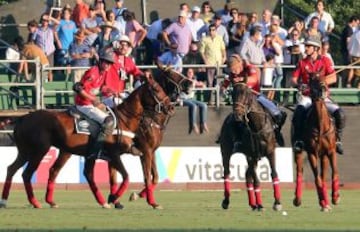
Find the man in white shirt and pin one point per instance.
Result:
(195, 23)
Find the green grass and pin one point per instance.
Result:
(183, 210)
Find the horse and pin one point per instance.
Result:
(148, 138)
(35, 132)
(249, 130)
(320, 145)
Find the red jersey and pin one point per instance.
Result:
(306, 66)
(253, 81)
(92, 81)
(115, 80)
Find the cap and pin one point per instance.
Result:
(196, 9)
(313, 41)
(125, 38)
(182, 14)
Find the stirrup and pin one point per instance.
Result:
(135, 151)
(339, 148)
(298, 146)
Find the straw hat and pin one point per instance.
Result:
(107, 24)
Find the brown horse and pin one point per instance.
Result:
(148, 138)
(320, 145)
(36, 132)
(249, 130)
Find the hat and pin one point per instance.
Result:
(125, 38)
(80, 34)
(182, 14)
(196, 9)
(313, 41)
(107, 24)
(107, 55)
(234, 61)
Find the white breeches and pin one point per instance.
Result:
(306, 102)
(93, 112)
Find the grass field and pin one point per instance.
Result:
(183, 211)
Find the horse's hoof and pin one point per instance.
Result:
(54, 205)
(260, 208)
(326, 209)
(3, 204)
(105, 206)
(156, 206)
(335, 200)
(277, 207)
(225, 203)
(117, 205)
(111, 198)
(297, 202)
(133, 196)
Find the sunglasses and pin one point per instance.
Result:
(212, 29)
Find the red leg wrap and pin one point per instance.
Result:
(227, 187)
(298, 190)
(258, 196)
(50, 192)
(251, 194)
(276, 187)
(98, 195)
(123, 187)
(6, 189)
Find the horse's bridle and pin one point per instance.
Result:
(161, 105)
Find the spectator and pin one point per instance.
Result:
(80, 54)
(221, 29)
(44, 38)
(30, 51)
(172, 58)
(237, 36)
(294, 51)
(326, 22)
(313, 30)
(225, 13)
(118, 10)
(12, 53)
(153, 42)
(188, 99)
(194, 57)
(207, 12)
(185, 8)
(253, 20)
(277, 29)
(299, 26)
(134, 30)
(64, 36)
(265, 22)
(32, 27)
(213, 51)
(325, 51)
(179, 32)
(110, 17)
(80, 12)
(91, 27)
(235, 18)
(106, 37)
(195, 23)
(100, 9)
(354, 52)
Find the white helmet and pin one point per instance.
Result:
(125, 38)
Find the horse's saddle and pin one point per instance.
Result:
(84, 124)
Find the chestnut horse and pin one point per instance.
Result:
(36, 132)
(249, 131)
(148, 138)
(320, 145)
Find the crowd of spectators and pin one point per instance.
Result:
(74, 35)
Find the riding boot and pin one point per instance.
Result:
(96, 146)
(297, 121)
(339, 117)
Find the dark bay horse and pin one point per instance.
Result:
(320, 145)
(150, 135)
(249, 131)
(36, 132)
(148, 138)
